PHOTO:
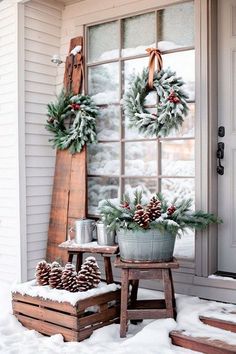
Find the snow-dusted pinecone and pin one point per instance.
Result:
(55, 276)
(69, 278)
(42, 273)
(141, 217)
(154, 208)
(89, 276)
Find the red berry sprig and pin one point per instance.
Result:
(171, 210)
(75, 106)
(173, 98)
(125, 205)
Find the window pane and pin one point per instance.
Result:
(184, 65)
(139, 34)
(185, 246)
(100, 188)
(187, 128)
(175, 26)
(104, 159)
(140, 158)
(103, 41)
(133, 67)
(148, 186)
(177, 158)
(103, 83)
(182, 188)
(108, 123)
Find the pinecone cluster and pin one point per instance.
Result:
(143, 216)
(67, 278)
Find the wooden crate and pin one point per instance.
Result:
(75, 323)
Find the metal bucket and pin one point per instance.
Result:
(105, 237)
(146, 246)
(84, 230)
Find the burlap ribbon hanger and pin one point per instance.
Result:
(154, 56)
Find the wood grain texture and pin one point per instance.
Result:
(73, 322)
(69, 197)
(146, 265)
(219, 323)
(203, 345)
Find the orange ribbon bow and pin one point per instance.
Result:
(154, 53)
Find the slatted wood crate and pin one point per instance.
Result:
(75, 323)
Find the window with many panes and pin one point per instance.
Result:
(124, 160)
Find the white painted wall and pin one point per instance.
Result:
(10, 236)
(42, 39)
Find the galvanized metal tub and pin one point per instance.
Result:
(146, 245)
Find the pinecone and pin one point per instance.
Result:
(69, 278)
(171, 210)
(42, 273)
(89, 276)
(154, 208)
(141, 217)
(55, 276)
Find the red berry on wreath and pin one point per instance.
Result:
(171, 210)
(75, 106)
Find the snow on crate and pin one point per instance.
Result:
(32, 289)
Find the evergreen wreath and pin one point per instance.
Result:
(171, 108)
(72, 120)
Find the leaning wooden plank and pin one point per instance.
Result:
(47, 328)
(57, 231)
(203, 345)
(216, 322)
(44, 314)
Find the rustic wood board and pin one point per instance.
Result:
(219, 323)
(69, 196)
(203, 345)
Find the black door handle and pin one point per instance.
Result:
(220, 156)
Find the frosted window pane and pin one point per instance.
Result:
(187, 128)
(177, 158)
(100, 188)
(182, 188)
(175, 26)
(184, 65)
(148, 186)
(140, 158)
(103, 159)
(133, 67)
(139, 34)
(108, 123)
(103, 83)
(185, 246)
(103, 41)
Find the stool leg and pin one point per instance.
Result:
(124, 302)
(172, 293)
(168, 293)
(133, 297)
(108, 269)
(79, 261)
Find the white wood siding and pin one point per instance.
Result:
(9, 192)
(42, 40)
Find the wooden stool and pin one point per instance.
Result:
(143, 309)
(105, 251)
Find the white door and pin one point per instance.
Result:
(227, 118)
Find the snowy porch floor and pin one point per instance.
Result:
(149, 337)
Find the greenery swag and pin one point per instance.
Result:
(171, 108)
(156, 214)
(72, 120)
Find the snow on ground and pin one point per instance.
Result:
(149, 337)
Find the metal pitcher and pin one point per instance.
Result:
(105, 237)
(84, 230)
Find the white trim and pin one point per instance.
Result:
(22, 271)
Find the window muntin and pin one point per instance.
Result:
(123, 159)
